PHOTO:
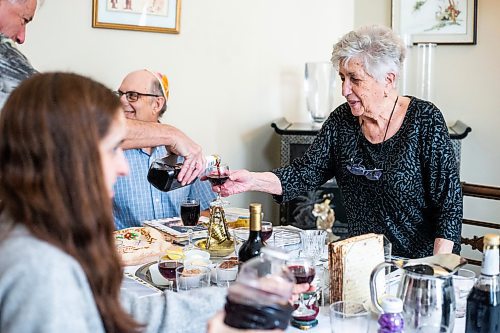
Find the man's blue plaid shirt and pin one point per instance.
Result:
(136, 200)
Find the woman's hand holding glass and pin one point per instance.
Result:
(218, 175)
(239, 181)
(304, 271)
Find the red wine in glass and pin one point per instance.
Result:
(266, 231)
(190, 213)
(217, 180)
(266, 234)
(167, 268)
(302, 274)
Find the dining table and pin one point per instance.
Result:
(144, 288)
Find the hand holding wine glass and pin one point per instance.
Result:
(218, 174)
(243, 181)
(304, 271)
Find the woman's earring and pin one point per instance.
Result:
(385, 93)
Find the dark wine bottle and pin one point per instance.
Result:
(251, 247)
(483, 302)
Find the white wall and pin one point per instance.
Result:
(234, 68)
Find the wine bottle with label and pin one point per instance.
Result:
(483, 302)
(164, 171)
(251, 247)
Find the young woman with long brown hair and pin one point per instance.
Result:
(60, 154)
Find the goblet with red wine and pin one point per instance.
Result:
(218, 174)
(167, 268)
(190, 215)
(304, 271)
(266, 230)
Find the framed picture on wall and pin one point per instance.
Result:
(436, 21)
(140, 15)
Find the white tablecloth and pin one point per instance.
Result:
(324, 324)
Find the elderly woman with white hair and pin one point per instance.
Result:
(391, 155)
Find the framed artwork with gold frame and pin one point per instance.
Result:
(140, 15)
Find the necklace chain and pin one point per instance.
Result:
(389, 122)
(386, 130)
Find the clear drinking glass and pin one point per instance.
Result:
(313, 243)
(226, 272)
(463, 281)
(425, 74)
(319, 87)
(349, 317)
(192, 277)
(240, 235)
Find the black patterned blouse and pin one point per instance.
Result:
(417, 199)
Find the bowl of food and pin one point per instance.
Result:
(226, 272)
(196, 254)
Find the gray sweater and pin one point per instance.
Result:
(43, 289)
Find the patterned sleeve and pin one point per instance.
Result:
(314, 168)
(14, 68)
(441, 177)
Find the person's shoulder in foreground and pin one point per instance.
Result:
(41, 284)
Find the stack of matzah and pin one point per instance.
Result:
(351, 262)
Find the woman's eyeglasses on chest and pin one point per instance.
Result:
(359, 169)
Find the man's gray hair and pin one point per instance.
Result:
(378, 47)
(157, 90)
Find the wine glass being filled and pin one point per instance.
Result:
(218, 174)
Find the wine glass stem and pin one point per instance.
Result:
(301, 301)
(190, 238)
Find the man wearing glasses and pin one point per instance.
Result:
(144, 96)
(15, 67)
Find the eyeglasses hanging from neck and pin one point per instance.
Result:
(356, 167)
